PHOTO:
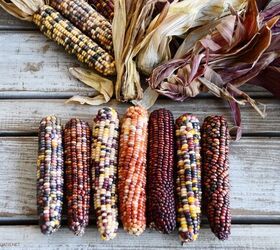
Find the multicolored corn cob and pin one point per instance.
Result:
(87, 19)
(50, 174)
(57, 28)
(104, 171)
(188, 177)
(161, 208)
(104, 7)
(77, 166)
(132, 170)
(215, 174)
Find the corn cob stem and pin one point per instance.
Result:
(104, 7)
(215, 150)
(104, 171)
(87, 19)
(50, 175)
(161, 209)
(132, 170)
(188, 177)
(77, 160)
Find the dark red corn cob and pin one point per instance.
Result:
(161, 208)
(104, 7)
(77, 163)
(215, 170)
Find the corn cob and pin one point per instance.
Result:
(215, 150)
(161, 208)
(132, 170)
(55, 27)
(188, 178)
(104, 7)
(87, 19)
(77, 161)
(104, 171)
(50, 174)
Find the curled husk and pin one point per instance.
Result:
(236, 50)
(181, 17)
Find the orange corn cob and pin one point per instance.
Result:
(132, 170)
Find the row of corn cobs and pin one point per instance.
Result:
(183, 168)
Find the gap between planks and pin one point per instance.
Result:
(236, 219)
(23, 116)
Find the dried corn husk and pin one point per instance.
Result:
(181, 17)
(102, 85)
(234, 52)
(130, 34)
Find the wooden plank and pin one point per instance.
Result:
(8, 22)
(25, 115)
(254, 180)
(33, 66)
(243, 237)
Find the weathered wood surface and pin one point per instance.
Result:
(25, 115)
(243, 237)
(255, 183)
(8, 22)
(33, 66)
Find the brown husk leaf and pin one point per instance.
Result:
(234, 52)
(130, 34)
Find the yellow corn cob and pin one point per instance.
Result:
(104, 171)
(87, 19)
(132, 170)
(59, 29)
(55, 27)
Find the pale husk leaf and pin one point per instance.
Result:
(102, 85)
(22, 9)
(182, 16)
(149, 99)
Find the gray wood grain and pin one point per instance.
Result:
(32, 65)
(8, 22)
(243, 237)
(254, 177)
(24, 115)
